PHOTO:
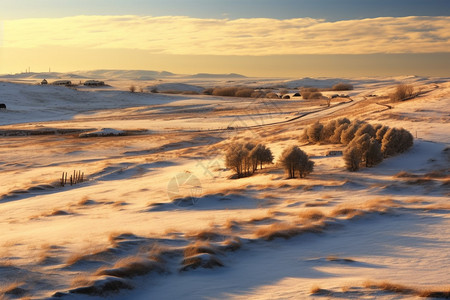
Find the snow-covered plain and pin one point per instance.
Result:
(157, 194)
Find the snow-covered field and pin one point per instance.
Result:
(157, 217)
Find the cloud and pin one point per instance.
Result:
(252, 36)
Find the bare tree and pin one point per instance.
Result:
(293, 160)
(402, 92)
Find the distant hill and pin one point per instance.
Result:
(207, 75)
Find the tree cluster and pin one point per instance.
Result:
(244, 158)
(367, 144)
(294, 160)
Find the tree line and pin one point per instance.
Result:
(367, 144)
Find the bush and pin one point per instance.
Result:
(341, 86)
(336, 137)
(293, 160)
(328, 130)
(311, 93)
(365, 128)
(352, 158)
(381, 132)
(208, 91)
(349, 133)
(244, 92)
(314, 132)
(396, 141)
(132, 88)
(402, 92)
(373, 154)
(225, 91)
(272, 96)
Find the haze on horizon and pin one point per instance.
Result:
(255, 38)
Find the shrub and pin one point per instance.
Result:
(293, 160)
(352, 158)
(402, 92)
(314, 132)
(349, 133)
(208, 91)
(132, 88)
(244, 92)
(390, 142)
(341, 86)
(328, 130)
(373, 154)
(336, 137)
(272, 96)
(311, 93)
(365, 128)
(381, 132)
(225, 91)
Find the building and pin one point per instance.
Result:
(94, 83)
(62, 82)
(44, 82)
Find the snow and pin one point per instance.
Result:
(146, 146)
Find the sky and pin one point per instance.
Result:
(266, 38)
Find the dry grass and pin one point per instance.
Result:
(337, 259)
(346, 212)
(204, 260)
(81, 280)
(287, 230)
(443, 292)
(311, 215)
(231, 244)
(404, 174)
(89, 253)
(205, 234)
(129, 267)
(115, 237)
(316, 290)
(231, 224)
(199, 247)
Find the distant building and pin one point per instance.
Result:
(94, 83)
(44, 82)
(62, 82)
(334, 153)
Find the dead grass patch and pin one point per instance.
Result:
(334, 258)
(203, 260)
(404, 174)
(286, 230)
(132, 266)
(311, 215)
(231, 244)
(206, 234)
(102, 286)
(199, 247)
(318, 291)
(346, 212)
(90, 253)
(231, 224)
(443, 292)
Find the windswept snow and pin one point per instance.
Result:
(157, 215)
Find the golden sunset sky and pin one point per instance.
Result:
(254, 38)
